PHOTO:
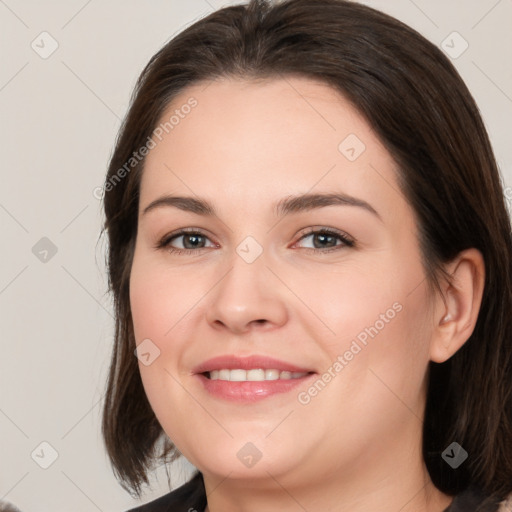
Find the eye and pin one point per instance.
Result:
(192, 238)
(324, 240)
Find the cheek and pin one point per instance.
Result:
(158, 298)
(153, 299)
(150, 300)
(375, 372)
(377, 318)
(359, 302)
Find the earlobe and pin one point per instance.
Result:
(455, 316)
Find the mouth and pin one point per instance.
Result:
(247, 379)
(253, 375)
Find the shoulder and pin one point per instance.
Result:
(190, 497)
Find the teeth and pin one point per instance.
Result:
(271, 374)
(223, 374)
(256, 374)
(237, 375)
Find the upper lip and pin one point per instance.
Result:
(233, 362)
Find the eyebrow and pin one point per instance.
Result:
(290, 204)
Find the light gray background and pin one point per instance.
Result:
(59, 118)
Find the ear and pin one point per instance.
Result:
(455, 317)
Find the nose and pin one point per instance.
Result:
(249, 296)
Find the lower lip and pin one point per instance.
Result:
(250, 391)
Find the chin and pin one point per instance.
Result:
(246, 457)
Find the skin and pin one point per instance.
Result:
(357, 444)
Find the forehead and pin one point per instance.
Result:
(260, 140)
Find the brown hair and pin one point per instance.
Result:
(423, 113)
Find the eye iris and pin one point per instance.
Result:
(324, 236)
(189, 237)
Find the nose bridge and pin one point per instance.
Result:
(249, 291)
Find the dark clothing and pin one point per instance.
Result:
(472, 500)
(191, 497)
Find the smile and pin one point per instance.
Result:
(254, 375)
(246, 379)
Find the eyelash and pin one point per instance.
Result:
(165, 241)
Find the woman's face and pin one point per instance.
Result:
(264, 290)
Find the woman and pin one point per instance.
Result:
(369, 373)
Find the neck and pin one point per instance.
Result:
(426, 498)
